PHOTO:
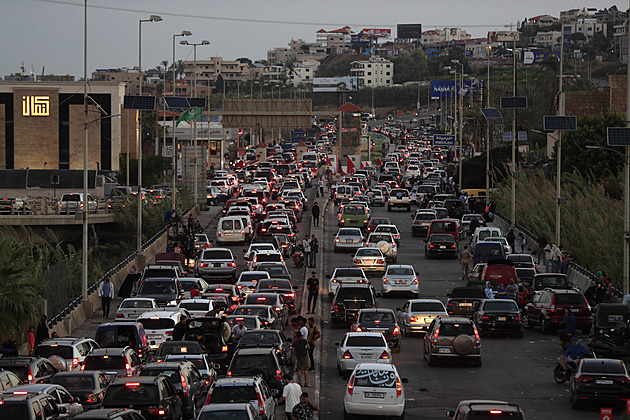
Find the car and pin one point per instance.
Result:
(205, 366)
(188, 382)
(263, 257)
(360, 347)
(88, 386)
(15, 205)
(261, 361)
(421, 221)
(272, 299)
(348, 300)
(168, 269)
(251, 388)
(386, 243)
(243, 411)
(522, 260)
(30, 370)
(601, 380)
(550, 280)
(546, 309)
(114, 362)
(231, 289)
(375, 221)
(216, 263)
(464, 301)
(31, 406)
(154, 396)
(71, 203)
(381, 320)
(499, 272)
(370, 260)
(247, 280)
(159, 324)
(388, 229)
(251, 322)
(507, 249)
(440, 245)
(282, 287)
(60, 395)
(378, 198)
(269, 338)
(347, 276)
(123, 334)
(375, 389)
(274, 269)
(168, 348)
(189, 284)
(399, 197)
(348, 239)
(525, 275)
(400, 279)
(166, 291)
(230, 229)
(500, 316)
(452, 337)
(8, 380)
(207, 331)
(483, 232)
(467, 218)
(131, 308)
(201, 242)
(197, 307)
(72, 350)
(354, 215)
(475, 409)
(417, 314)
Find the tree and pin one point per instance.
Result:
(335, 66)
(412, 67)
(244, 60)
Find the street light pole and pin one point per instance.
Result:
(626, 206)
(84, 256)
(513, 201)
(559, 146)
(152, 18)
(488, 131)
(174, 155)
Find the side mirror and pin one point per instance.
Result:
(405, 380)
(337, 343)
(274, 392)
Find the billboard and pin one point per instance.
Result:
(335, 84)
(409, 30)
(377, 33)
(360, 39)
(536, 57)
(446, 88)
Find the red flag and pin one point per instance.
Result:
(328, 162)
(372, 147)
(350, 166)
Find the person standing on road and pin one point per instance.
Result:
(300, 350)
(501, 293)
(239, 330)
(488, 291)
(541, 242)
(290, 394)
(474, 224)
(180, 329)
(304, 410)
(312, 285)
(313, 335)
(306, 244)
(524, 296)
(512, 289)
(315, 211)
(106, 293)
(314, 251)
(557, 259)
(511, 238)
(522, 242)
(320, 185)
(465, 259)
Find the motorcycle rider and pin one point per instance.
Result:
(574, 353)
(569, 326)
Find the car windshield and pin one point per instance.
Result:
(217, 254)
(157, 287)
(261, 311)
(349, 232)
(354, 210)
(349, 272)
(188, 285)
(104, 362)
(552, 281)
(427, 307)
(375, 378)
(400, 271)
(603, 368)
(255, 337)
(159, 272)
(425, 216)
(195, 306)
(245, 362)
(264, 257)
(376, 222)
(451, 330)
(363, 293)
(274, 284)
(370, 252)
(137, 303)
(131, 393)
(444, 227)
(380, 237)
(365, 341)
(47, 350)
(252, 277)
(231, 394)
(73, 382)
(570, 299)
(254, 299)
(377, 317)
(507, 306)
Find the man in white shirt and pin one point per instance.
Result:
(238, 330)
(306, 243)
(290, 394)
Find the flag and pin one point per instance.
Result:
(350, 166)
(189, 115)
(372, 147)
(328, 162)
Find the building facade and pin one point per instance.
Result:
(377, 71)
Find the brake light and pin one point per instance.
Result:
(415, 281)
(224, 349)
(347, 355)
(128, 369)
(453, 246)
(202, 265)
(261, 403)
(156, 411)
(380, 261)
(517, 318)
(496, 412)
(384, 355)
(132, 384)
(209, 396)
(169, 332)
(385, 280)
(398, 387)
(120, 316)
(359, 329)
(75, 362)
(485, 317)
(396, 330)
(29, 374)
(334, 307)
(229, 373)
(184, 384)
(435, 336)
(431, 246)
(414, 319)
(291, 295)
(476, 336)
(583, 378)
(622, 379)
(336, 239)
(20, 392)
(232, 264)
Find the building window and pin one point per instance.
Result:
(386, 73)
(369, 81)
(369, 73)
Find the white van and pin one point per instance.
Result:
(345, 191)
(482, 232)
(230, 229)
(310, 156)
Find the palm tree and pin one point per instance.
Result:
(179, 68)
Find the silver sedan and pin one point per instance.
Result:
(417, 314)
(370, 260)
(348, 239)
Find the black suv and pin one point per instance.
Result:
(259, 361)
(349, 299)
(464, 301)
(30, 406)
(111, 414)
(184, 377)
(31, 370)
(114, 361)
(164, 290)
(155, 397)
(269, 338)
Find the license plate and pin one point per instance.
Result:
(368, 261)
(217, 264)
(465, 304)
(348, 241)
(401, 282)
(444, 350)
(366, 356)
(442, 246)
(575, 310)
(374, 395)
(604, 382)
(501, 318)
(154, 336)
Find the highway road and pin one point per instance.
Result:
(515, 370)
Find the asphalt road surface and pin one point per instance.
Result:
(516, 370)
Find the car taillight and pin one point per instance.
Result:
(83, 366)
(75, 362)
(398, 387)
(120, 316)
(477, 342)
(485, 317)
(29, 373)
(435, 336)
(431, 246)
(334, 307)
(351, 385)
(517, 318)
(128, 369)
(396, 330)
(261, 404)
(380, 261)
(169, 332)
(414, 319)
(224, 349)
(209, 396)
(384, 355)
(622, 380)
(336, 239)
(203, 265)
(583, 378)
(91, 398)
(453, 246)
(291, 295)
(156, 411)
(415, 281)
(357, 261)
(229, 374)
(232, 264)
(347, 355)
(385, 280)
(359, 329)
(278, 375)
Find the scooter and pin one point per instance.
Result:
(613, 347)
(560, 375)
(298, 256)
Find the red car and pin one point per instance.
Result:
(375, 221)
(547, 310)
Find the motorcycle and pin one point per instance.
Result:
(560, 375)
(611, 346)
(298, 256)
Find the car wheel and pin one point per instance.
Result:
(545, 328)
(526, 324)
(430, 360)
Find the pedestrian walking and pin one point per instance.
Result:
(320, 185)
(522, 242)
(300, 350)
(556, 264)
(106, 293)
(550, 251)
(511, 238)
(304, 409)
(306, 244)
(315, 211)
(465, 259)
(542, 243)
(290, 395)
(313, 335)
(314, 251)
(42, 330)
(312, 285)
(31, 340)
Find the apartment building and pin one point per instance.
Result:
(208, 71)
(337, 41)
(377, 71)
(433, 37)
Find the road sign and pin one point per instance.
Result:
(378, 136)
(559, 122)
(618, 136)
(184, 103)
(605, 414)
(490, 113)
(443, 140)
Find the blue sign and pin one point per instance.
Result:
(378, 136)
(434, 53)
(443, 140)
(359, 39)
(537, 57)
(469, 53)
(446, 88)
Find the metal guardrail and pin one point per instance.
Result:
(93, 288)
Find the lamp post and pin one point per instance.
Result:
(488, 130)
(460, 120)
(174, 154)
(152, 18)
(84, 256)
(194, 93)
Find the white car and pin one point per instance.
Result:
(247, 281)
(375, 390)
(400, 278)
(159, 323)
(230, 229)
(507, 249)
(262, 257)
(417, 314)
(198, 308)
(132, 308)
(345, 275)
(188, 283)
(359, 347)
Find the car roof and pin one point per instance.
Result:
(139, 379)
(35, 388)
(257, 350)
(455, 320)
(376, 366)
(401, 265)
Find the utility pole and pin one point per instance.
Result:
(513, 216)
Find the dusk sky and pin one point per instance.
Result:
(49, 33)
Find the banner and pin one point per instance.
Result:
(377, 33)
(335, 84)
(536, 57)
(446, 88)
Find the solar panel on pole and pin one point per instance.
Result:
(559, 122)
(514, 102)
(491, 113)
(618, 136)
(139, 102)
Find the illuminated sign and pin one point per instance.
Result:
(35, 106)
